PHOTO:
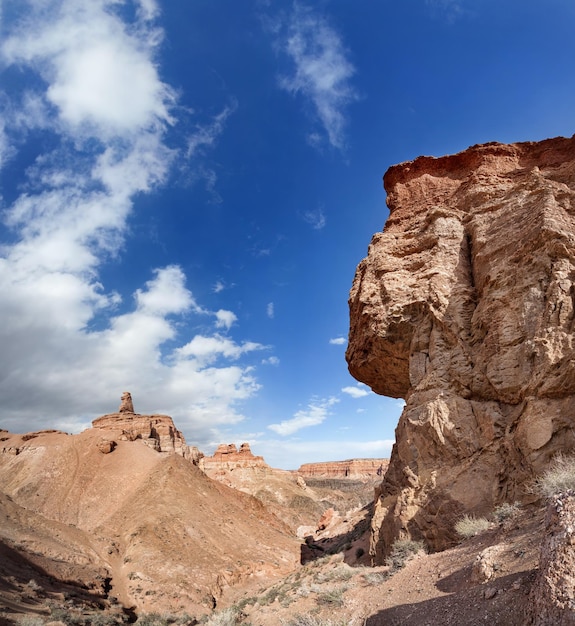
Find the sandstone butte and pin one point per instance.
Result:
(465, 307)
(156, 431)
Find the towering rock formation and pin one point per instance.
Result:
(465, 307)
(156, 431)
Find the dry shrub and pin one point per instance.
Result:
(558, 477)
(469, 526)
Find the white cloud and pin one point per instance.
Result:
(270, 310)
(315, 413)
(289, 453)
(338, 341)
(315, 218)
(272, 360)
(219, 286)
(69, 345)
(206, 350)
(356, 392)
(225, 319)
(321, 69)
(101, 77)
(207, 135)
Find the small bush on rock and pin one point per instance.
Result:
(506, 511)
(469, 526)
(558, 477)
(401, 551)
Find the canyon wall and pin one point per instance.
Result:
(352, 468)
(465, 306)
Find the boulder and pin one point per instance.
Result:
(465, 307)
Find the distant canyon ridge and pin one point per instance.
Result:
(465, 307)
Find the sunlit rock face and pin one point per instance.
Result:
(464, 306)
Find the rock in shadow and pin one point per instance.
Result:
(327, 541)
(501, 602)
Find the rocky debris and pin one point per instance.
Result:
(487, 563)
(552, 599)
(227, 457)
(156, 431)
(352, 468)
(106, 446)
(465, 307)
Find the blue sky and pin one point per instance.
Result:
(188, 186)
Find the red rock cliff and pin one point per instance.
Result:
(465, 307)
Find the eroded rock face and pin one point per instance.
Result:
(353, 468)
(464, 306)
(156, 431)
(552, 600)
(227, 457)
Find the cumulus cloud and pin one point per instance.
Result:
(315, 413)
(359, 391)
(338, 341)
(321, 71)
(225, 319)
(70, 346)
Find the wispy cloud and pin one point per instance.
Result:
(270, 310)
(338, 341)
(272, 360)
(207, 134)
(291, 453)
(315, 413)
(316, 219)
(321, 71)
(68, 348)
(359, 391)
(451, 9)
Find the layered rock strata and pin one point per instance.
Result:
(352, 468)
(156, 431)
(465, 307)
(228, 457)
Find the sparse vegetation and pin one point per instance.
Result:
(469, 526)
(332, 598)
(31, 621)
(310, 620)
(558, 477)
(506, 511)
(227, 617)
(166, 619)
(375, 578)
(401, 551)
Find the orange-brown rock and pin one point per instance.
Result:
(227, 457)
(465, 307)
(353, 468)
(156, 431)
(165, 536)
(552, 599)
